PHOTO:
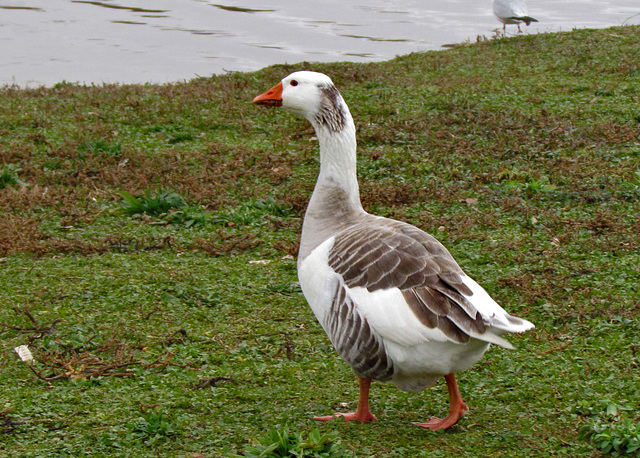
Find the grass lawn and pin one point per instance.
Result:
(148, 236)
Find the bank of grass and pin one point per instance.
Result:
(156, 332)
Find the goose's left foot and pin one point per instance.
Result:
(457, 408)
(436, 423)
(362, 414)
(362, 417)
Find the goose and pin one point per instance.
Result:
(512, 12)
(393, 301)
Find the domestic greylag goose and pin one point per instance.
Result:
(512, 12)
(393, 301)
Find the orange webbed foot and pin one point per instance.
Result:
(457, 408)
(435, 423)
(362, 414)
(362, 417)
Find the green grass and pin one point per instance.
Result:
(157, 205)
(280, 442)
(9, 177)
(156, 333)
(611, 430)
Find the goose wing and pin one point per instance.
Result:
(409, 288)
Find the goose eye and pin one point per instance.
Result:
(294, 83)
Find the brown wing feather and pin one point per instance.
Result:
(382, 253)
(354, 339)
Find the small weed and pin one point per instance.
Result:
(54, 163)
(150, 205)
(286, 289)
(173, 133)
(280, 442)
(9, 177)
(253, 212)
(631, 188)
(174, 209)
(101, 146)
(152, 426)
(531, 186)
(534, 186)
(270, 206)
(611, 431)
(179, 137)
(188, 216)
(511, 175)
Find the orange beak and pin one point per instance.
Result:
(271, 98)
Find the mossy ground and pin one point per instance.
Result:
(521, 155)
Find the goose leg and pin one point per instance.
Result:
(362, 413)
(457, 408)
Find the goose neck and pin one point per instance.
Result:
(338, 159)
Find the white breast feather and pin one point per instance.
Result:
(317, 279)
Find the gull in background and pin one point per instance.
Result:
(512, 12)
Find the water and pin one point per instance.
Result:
(43, 42)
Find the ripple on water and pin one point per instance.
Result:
(93, 41)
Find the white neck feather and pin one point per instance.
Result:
(335, 202)
(338, 160)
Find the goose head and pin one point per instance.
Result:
(311, 95)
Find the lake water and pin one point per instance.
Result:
(43, 42)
